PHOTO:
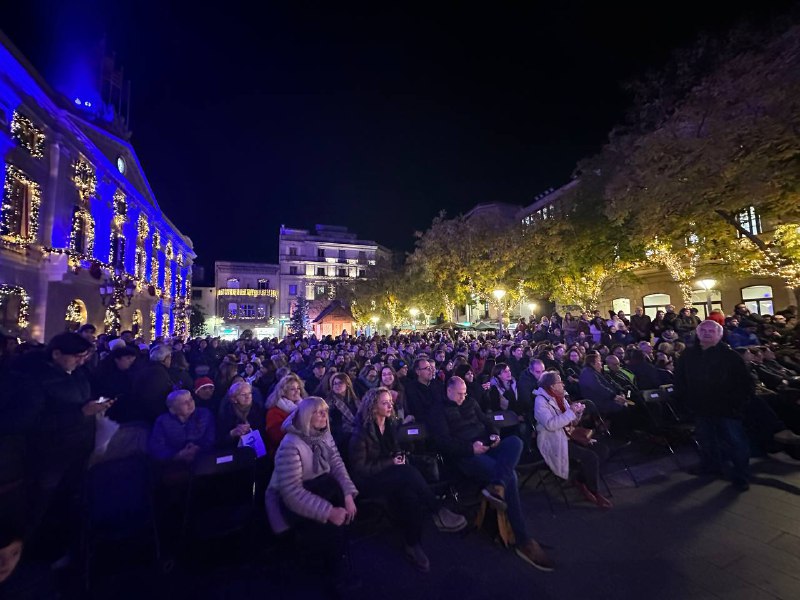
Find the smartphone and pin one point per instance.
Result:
(102, 400)
(628, 394)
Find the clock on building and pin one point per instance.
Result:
(121, 164)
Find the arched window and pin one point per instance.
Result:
(76, 315)
(652, 303)
(622, 304)
(232, 283)
(699, 301)
(14, 307)
(758, 299)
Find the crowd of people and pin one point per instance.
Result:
(325, 417)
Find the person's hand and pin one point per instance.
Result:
(240, 430)
(400, 459)
(408, 419)
(619, 399)
(486, 385)
(350, 508)
(478, 448)
(495, 439)
(337, 516)
(188, 452)
(92, 408)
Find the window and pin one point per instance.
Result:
(320, 252)
(232, 310)
(362, 272)
(319, 292)
(621, 304)
(292, 251)
(750, 220)
(261, 311)
(362, 255)
(320, 271)
(342, 272)
(233, 283)
(655, 302)
(342, 253)
(292, 270)
(263, 284)
(20, 211)
(247, 311)
(700, 303)
(293, 290)
(758, 299)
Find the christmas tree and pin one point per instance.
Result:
(299, 324)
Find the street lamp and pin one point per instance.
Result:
(707, 285)
(532, 307)
(375, 320)
(498, 294)
(414, 312)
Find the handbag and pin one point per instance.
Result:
(581, 435)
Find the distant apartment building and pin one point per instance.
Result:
(246, 299)
(313, 264)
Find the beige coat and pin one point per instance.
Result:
(550, 435)
(294, 465)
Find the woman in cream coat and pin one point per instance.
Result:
(553, 414)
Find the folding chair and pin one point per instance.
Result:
(118, 507)
(221, 494)
(665, 422)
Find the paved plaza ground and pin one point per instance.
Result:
(673, 537)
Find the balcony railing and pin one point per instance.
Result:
(251, 292)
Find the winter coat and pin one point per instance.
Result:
(551, 438)
(455, 428)
(294, 464)
(368, 455)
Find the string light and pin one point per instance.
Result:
(111, 321)
(168, 256)
(74, 313)
(27, 135)
(142, 231)
(152, 325)
(82, 229)
(22, 198)
(84, 179)
(154, 260)
(116, 247)
(6, 291)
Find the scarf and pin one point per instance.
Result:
(368, 383)
(285, 405)
(319, 450)
(348, 418)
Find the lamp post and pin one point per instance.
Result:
(498, 294)
(375, 320)
(708, 285)
(532, 307)
(414, 312)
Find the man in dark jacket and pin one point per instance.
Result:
(151, 387)
(463, 432)
(528, 381)
(713, 381)
(420, 395)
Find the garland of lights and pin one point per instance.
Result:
(12, 209)
(27, 135)
(74, 313)
(142, 231)
(24, 304)
(111, 321)
(154, 260)
(84, 179)
(152, 325)
(168, 256)
(164, 325)
(136, 320)
(82, 222)
(116, 248)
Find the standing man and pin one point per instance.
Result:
(640, 325)
(712, 381)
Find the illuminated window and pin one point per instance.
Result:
(758, 299)
(699, 302)
(261, 311)
(319, 291)
(750, 220)
(233, 283)
(247, 311)
(652, 303)
(293, 290)
(232, 310)
(621, 304)
(263, 284)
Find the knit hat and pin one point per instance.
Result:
(202, 382)
(69, 343)
(116, 343)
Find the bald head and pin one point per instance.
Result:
(612, 362)
(709, 333)
(456, 390)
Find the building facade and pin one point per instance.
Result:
(313, 264)
(82, 238)
(246, 299)
(653, 289)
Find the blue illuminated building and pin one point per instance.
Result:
(81, 232)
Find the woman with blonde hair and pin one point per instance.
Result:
(343, 403)
(380, 470)
(310, 489)
(281, 403)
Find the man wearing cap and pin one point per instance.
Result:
(313, 378)
(401, 368)
(204, 394)
(48, 402)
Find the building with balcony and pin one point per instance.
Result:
(652, 288)
(246, 299)
(82, 237)
(313, 264)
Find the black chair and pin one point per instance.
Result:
(118, 507)
(504, 419)
(666, 427)
(443, 480)
(221, 495)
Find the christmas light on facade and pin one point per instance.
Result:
(27, 135)
(23, 316)
(19, 211)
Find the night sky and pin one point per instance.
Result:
(375, 118)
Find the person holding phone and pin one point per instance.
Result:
(380, 469)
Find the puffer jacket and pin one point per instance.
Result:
(294, 465)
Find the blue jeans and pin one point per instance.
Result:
(497, 467)
(724, 435)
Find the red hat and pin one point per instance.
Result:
(202, 382)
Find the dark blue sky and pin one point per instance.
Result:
(375, 117)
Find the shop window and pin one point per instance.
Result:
(758, 299)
